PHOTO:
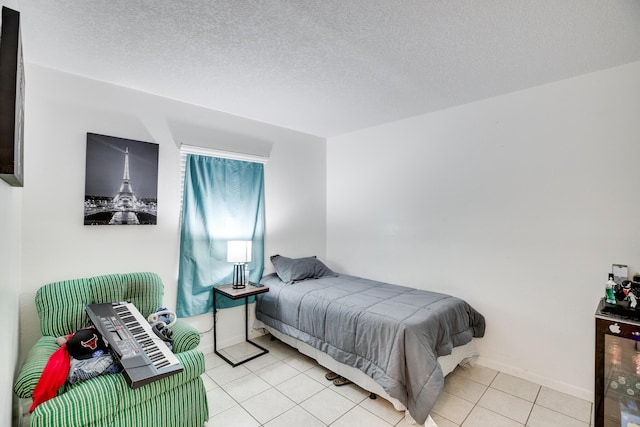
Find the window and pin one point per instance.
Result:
(222, 200)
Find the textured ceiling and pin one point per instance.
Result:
(327, 67)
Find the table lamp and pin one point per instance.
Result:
(239, 253)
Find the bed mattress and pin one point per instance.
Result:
(393, 334)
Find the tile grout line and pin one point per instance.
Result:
(480, 398)
(533, 406)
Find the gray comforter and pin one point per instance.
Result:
(392, 333)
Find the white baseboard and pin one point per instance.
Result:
(230, 327)
(560, 386)
(207, 347)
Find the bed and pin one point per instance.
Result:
(386, 338)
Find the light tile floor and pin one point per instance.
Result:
(285, 388)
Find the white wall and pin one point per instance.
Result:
(10, 209)
(10, 205)
(518, 204)
(62, 108)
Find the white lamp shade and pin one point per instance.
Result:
(239, 251)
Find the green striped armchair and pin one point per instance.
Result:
(107, 400)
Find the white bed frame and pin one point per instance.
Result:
(464, 355)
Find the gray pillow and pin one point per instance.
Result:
(291, 270)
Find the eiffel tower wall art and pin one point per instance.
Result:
(121, 184)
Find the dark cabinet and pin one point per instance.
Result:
(617, 367)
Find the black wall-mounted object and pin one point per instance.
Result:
(11, 99)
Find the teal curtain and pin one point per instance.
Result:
(223, 200)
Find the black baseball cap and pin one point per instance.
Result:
(85, 344)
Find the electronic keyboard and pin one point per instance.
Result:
(143, 355)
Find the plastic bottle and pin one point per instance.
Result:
(610, 290)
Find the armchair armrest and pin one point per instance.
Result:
(185, 336)
(33, 366)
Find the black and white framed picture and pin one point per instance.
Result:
(121, 181)
(11, 99)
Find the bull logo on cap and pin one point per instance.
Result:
(91, 343)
